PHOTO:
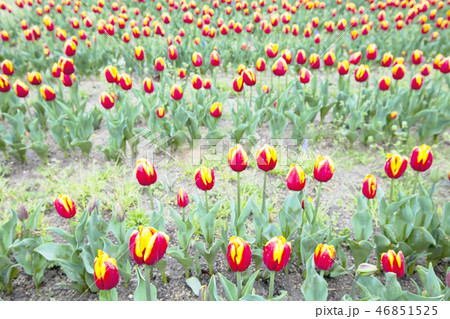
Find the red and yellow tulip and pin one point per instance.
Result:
(204, 178)
(65, 206)
(266, 158)
(369, 187)
(106, 273)
(277, 253)
(393, 262)
(421, 158)
(323, 169)
(239, 254)
(395, 165)
(148, 245)
(324, 256)
(237, 158)
(295, 178)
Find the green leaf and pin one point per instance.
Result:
(194, 284)
(248, 288)
(314, 288)
(230, 288)
(252, 298)
(140, 293)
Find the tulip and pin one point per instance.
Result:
(416, 57)
(181, 73)
(148, 85)
(395, 167)
(445, 65)
(323, 169)
(394, 115)
(372, 52)
(369, 187)
(34, 78)
(276, 256)
(355, 58)
(20, 88)
(197, 82)
(216, 110)
(70, 48)
(182, 198)
(22, 213)
(421, 158)
(314, 61)
(305, 75)
(204, 178)
(324, 257)
(303, 202)
(301, 57)
(393, 262)
(329, 58)
(106, 274)
(106, 100)
(5, 86)
(238, 83)
(287, 56)
(271, 50)
(67, 79)
(47, 93)
(249, 77)
(343, 67)
(416, 82)
(7, 67)
(176, 92)
(239, 254)
(207, 83)
(266, 159)
(147, 245)
(65, 206)
(238, 161)
(56, 70)
(172, 52)
(386, 61)
(159, 64)
(295, 178)
(214, 58)
(241, 68)
(125, 81)
(279, 68)
(384, 83)
(66, 65)
(425, 70)
(260, 65)
(362, 73)
(139, 53)
(398, 71)
(197, 59)
(160, 112)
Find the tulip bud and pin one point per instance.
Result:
(398, 71)
(249, 77)
(295, 179)
(20, 88)
(314, 61)
(197, 82)
(421, 158)
(93, 205)
(172, 52)
(5, 86)
(160, 112)
(237, 158)
(384, 83)
(369, 188)
(305, 75)
(372, 52)
(106, 100)
(203, 294)
(176, 92)
(266, 158)
(139, 53)
(394, 115)
(66, 65)
(216, 110)
(362, 73)
(7, 67)
(271, 50)
(147, 245)
(355, 58)
(22, 212)
(197, 59)
(239, 254)
(56, 70)
(260, 65)
(207, 84)
(301, 57)
(395, 165)
(148, 86)
(181, 73)
(365, 269)
(106, 274)
(303, 202)
(323, 169)
(214, 58)
(393, 262)
(324, 256)
(47, 93)
(204, 178)
(445, 65)
(416, 57)
(145, 172)
(386, 61)
(238, 84)
(182, 198)
(329, 58)
(65, 206)
(277, 253)
(70, 48)
(119, 213)
(416, 82)
(159, 64)
(279, 68)
(343, 67)
(125, 81)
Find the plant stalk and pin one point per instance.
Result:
(272, 282)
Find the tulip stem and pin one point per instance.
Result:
(263, 206)
(148, 270)
(272, 282)
(184, 214)
(251, 91)
(316, 209)
(206, 202)
(239, 283)
(391, 196)
(238, 198)
(352, 294)
(416, 183)
(150, 192)
(322, 273)
(359, 96)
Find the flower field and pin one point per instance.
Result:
(225, 150)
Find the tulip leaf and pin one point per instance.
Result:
(230, 288)
(108, 295)
(140, 293)
(370, 288)
(194, 284)
(252, 298)
(248, 288)
(281, 296)
(392, 290)
(314, 288)
(212, 289)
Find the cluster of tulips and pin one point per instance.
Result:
(148, 245)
